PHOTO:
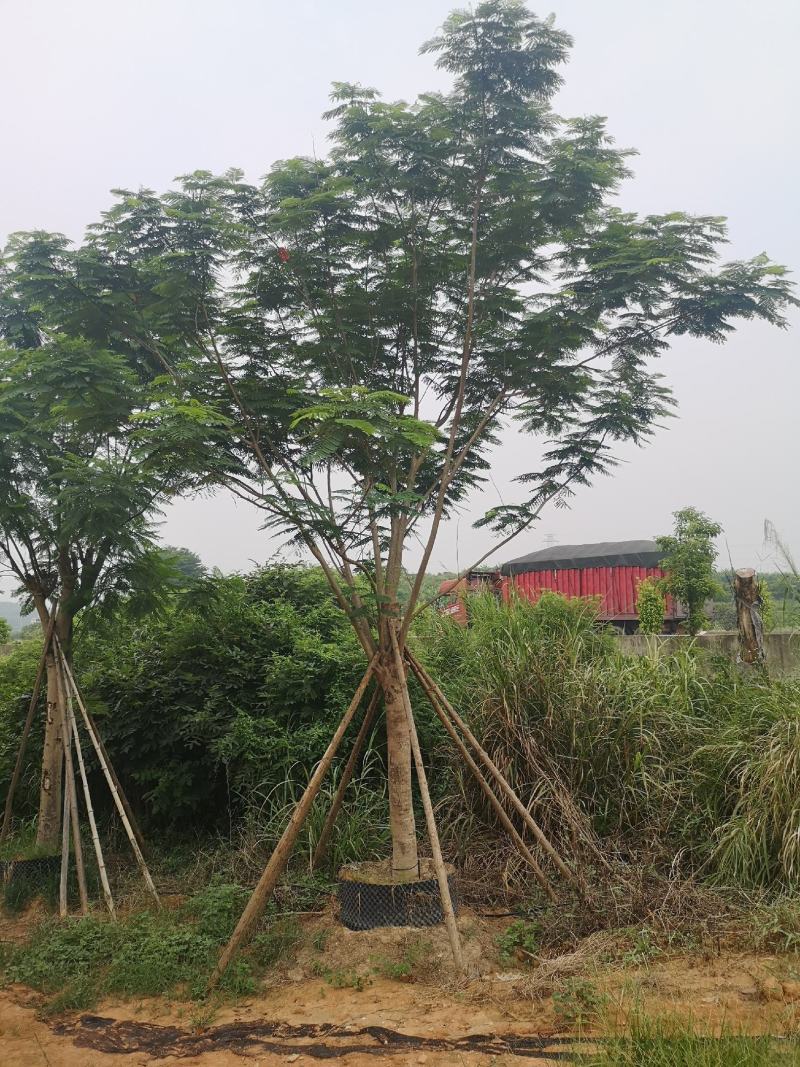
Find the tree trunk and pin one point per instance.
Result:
(405, 866)
(748, 616)
(48, 829)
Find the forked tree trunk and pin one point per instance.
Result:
(405, 866)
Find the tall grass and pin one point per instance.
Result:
(680, 757)
(656, 1043)
(361, 833)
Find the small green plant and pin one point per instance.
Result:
(642, 950)
(415, 953)
(216, 909)
(396, 970)
(577, 1003)
(319, 941)
(340, 978)
(278, 942)
(518, 939)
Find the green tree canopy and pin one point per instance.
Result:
(689, 555)
(85, 463)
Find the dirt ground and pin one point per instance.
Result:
(390, 995)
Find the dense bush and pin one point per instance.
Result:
(676, 757)
(17, 674)
(233, 688)
(215, 710)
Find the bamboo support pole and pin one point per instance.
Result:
(98, 850)
(66, 813)
(489, 793)
(280, 855)
(71, 795)
(430, 819)
(497, 774)
(26, 729)
(110, 779)
(321, 850)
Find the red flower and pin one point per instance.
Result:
(283, 254)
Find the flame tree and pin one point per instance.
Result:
(366, 324)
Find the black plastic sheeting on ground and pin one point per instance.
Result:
(325, 1042)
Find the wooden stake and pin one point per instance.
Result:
(98, 850)
(489, 793)
(433, 833)
(330, 821)
(71, 795)
(280, 856)
(110, 779)
(26, 729)
(497, 774)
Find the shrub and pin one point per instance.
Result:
(651, 607)
(237, 685)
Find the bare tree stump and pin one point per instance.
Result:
(748, 616)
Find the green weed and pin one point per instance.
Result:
(642, 950)
(521, 934)
(776, 925)
(277, 943)
(340, 978)
(577, 1004)
(415, 953)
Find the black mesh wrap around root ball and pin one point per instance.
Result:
(364, 905)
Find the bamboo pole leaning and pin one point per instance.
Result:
(26, 729)
(71, 800)
(110, 778)
(66, 818)
(497, 774)
(489, 793)
(430, 819)
(321, 851)
(98, 849)
(280, 855)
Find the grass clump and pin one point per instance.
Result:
(679, 759)
(78, 961)
(655, 1043)
(577, 1003)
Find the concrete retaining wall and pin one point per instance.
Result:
(782, 646)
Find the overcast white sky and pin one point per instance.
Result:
(107, 93)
